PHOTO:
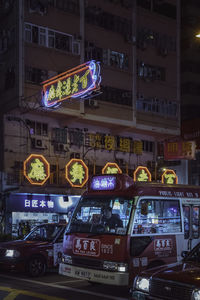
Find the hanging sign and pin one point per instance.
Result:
(36, 169)
(76, 173)
(111, 168)
(141, 174)
(77, 82)
(169, 177)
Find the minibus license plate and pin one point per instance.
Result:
(83, 274)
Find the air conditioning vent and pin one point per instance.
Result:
(37, 143)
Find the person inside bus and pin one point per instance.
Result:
(111, 220)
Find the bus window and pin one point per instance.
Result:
(90, 212)
(159, 216)
(195, 222)
(186, 213)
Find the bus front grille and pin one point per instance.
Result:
(87, 263)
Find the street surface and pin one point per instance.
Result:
(55, 287)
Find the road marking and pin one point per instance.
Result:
(13, 293)
(64, 288)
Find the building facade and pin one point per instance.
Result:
(135, 110)
(190, 82)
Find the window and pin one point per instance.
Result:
(35, 75)
(157, 106)
(147, 146)
(59, 135)
(91, 215)
(51, 38)
(37, 128)
(157, 216)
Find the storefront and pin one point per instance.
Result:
(36, 209)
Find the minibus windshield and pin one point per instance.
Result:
(101, 215)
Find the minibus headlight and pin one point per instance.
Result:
(196, 294)
(115, 266)
(67, 259)
(142, 284)
(12, 253)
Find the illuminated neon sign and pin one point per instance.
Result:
(100, 183)
(36, 169)
(111, 168)
(142, 174)
(169, 177)
(76, 173)
(77, 82)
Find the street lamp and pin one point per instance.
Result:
(197, 35)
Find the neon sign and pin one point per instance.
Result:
(141, 174)
(111, 168)
(100, 183)
(169, 177)
(76, 173)
(77, 82)
(36, 169)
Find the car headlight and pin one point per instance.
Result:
(142, 284)
(115, 266)
(12, 253)
(196, 294)
(67, 259)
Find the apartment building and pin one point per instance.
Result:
(134, 110)
(190, 82)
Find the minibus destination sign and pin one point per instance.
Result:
(100, 183)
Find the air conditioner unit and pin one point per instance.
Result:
(93, 103)
(37, 143)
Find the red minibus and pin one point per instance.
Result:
(151, 224)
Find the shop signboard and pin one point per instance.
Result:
(179, 150)
(77, 82)
(76, 172)
(111, 168)
(22, 202)
(36, 169)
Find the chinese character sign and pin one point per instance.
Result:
(36, 169)
(76, 173)
(142, 174)
(106, 183)
(179, 150)
(111, 168)
(77, 82)
(169, 177)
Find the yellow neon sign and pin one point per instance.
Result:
(111, 168)
(36, 169)
(169, 177)
(142, 174)
(76, 173)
